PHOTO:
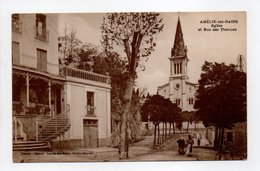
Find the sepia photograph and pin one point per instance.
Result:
(129, 86)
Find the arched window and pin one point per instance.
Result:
(174, 68)
(181, 68)
(177, 68)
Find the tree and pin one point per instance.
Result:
(160, 110)
(88, 54)
(221, 97)
(135, 33)
(69, 47)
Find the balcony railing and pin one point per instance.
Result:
(17, 26)
(91, 111)
(72, 72)
(19, 109)
(41, 34)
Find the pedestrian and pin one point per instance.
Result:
(189, 143)
(198, 141)
(181, 146)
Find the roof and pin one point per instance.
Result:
(190, 83)
(163, 86)
(179, 49)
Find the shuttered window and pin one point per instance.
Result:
(41, 60)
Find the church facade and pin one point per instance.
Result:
(179, 89)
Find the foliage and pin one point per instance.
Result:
(135, 33)
(69, 47)
(221, 97)
(160, 110)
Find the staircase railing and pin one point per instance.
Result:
(44, 123)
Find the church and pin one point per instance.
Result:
(179, 90)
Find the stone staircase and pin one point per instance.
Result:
(30, 145)
(54, 127)
(49, 128)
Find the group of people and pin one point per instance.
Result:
(182, 144)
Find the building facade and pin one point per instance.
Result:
(52, 102)
(179, 90)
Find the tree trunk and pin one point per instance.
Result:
(170, 127)
(188, 127)
(163, 133)
(173, 128)
(158, 129)
(123, 145)
(166, 131)
(219, 137)
(154, 138)
(222, 138)
(216, 139)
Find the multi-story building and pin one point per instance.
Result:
(52, 102)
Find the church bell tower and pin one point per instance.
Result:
(178, 68)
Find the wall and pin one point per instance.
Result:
(76, 98)
(190, 91)
(28, 44)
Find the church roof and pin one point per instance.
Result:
(179, 49)
(165, 85)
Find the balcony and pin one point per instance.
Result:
(91, 111)
(19, 109)
(17, 26)
(86, 75)
(41, 34)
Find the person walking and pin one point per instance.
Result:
(181, 146)
(189, 143)
(198, 141)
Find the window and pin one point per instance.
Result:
(178, 101)
(16, 24)
(40, 29)
(42, 60)
(89, 122)
(174, 68)
(90, 103)
(16, 53)
(180, 68)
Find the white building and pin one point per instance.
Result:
(179, 89)
(51, 102)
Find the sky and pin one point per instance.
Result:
(212, 46)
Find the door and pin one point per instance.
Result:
(90, 133)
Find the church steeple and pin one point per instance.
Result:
(179, 58)
(179, 49)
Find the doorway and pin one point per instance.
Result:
(90, 133)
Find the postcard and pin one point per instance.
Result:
(133, 86)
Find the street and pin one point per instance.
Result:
(140, 151)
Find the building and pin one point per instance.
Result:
(179, 90)
(54, 103)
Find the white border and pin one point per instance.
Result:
(253, 36)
